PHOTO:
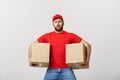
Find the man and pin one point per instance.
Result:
(58, 69)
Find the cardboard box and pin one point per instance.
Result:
(76, 55)
(40, 54)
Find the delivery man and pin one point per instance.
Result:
(58, 69)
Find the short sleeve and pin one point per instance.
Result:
(43, 38)
(75, 38)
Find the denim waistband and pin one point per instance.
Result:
(59, 69)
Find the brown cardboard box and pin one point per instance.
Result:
(40, 54)
(76, 55)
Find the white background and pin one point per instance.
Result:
(96, 21)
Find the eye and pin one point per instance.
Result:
(55, 21)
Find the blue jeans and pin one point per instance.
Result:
(59, 74)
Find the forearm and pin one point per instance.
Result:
(29, 55)
(29, 52)
(88, 50)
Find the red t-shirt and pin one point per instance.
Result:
(58, 42)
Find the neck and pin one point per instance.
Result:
(58, 31)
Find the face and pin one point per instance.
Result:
(58, 25)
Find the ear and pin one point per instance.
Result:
(63, 23)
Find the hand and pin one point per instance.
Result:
(86, 63)
(30, 63)
(33, 65)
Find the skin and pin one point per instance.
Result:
(29, 55)
(58, 26)
(88, 49)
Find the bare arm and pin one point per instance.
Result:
(29, 52)
(29, 55)
(88, 49)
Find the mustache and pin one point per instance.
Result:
(58, 26)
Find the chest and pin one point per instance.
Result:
(59, 39)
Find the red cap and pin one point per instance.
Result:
(57, 16)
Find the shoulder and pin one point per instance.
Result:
(72, 34)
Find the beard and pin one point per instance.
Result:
(59, 29)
